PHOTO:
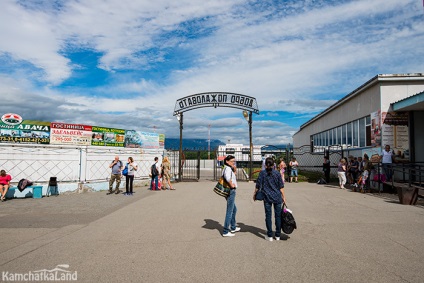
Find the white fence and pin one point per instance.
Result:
(70, 164)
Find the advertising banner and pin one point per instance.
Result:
(376, 129)
(396, 134)
(72, 134)
(162, 141)
(138, 139)
(102, 136)
(23, 131)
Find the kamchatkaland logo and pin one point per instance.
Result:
(11, 119)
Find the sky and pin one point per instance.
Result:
(124, 63)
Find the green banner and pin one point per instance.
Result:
(26, 132)
(107, 136)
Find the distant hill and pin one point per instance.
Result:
(191, 144)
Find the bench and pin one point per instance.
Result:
(408, 194)
(30, 191)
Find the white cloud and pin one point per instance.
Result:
(300, 61)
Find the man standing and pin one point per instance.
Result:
(117, 167)
(326, 168)
(155, 172)
(387, 158)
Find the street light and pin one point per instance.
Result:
(248, 116)
(180, 120)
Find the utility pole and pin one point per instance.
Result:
(209, 141)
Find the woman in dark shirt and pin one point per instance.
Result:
(272, 186)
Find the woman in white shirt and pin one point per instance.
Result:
(229, 174)
(129, 178)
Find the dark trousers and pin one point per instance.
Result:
(327, 176)
(129, 183)
(268, 218)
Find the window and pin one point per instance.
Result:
(368, 137)
(230, 151)
(339, 135)
(368, 131)
(362, 132)
(344, 137)
(349, 134)
(355, 126)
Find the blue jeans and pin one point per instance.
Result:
(230, 216)
(268, 218)
(156, 180)
(387, 169)
(294, 172)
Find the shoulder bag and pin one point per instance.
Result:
(222, 188)
(260, 194)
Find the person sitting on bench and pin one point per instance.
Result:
(4, 184)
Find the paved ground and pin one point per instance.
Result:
(176, 236)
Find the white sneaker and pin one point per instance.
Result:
(229, 234)
(277, 238)
(236, 230)
(269, 238)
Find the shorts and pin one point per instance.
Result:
(294, 172)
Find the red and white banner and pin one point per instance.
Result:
(71, 134)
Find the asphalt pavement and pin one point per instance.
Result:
(175, 236)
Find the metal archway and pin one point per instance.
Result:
(216, 99)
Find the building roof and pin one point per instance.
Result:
(412, 103)
(368, 84)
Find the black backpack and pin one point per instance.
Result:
(154, 170)
(288, 224)
(23, 183)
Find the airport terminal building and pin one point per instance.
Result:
(387, 109)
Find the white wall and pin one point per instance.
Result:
(70, 164)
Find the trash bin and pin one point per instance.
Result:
(37, 191)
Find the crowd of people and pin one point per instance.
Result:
(160, 175)
(356, 171)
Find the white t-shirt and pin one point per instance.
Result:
(230, 175)
(387, 156)
(131, 170)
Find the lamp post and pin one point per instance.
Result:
(180, 171)
(248, 116)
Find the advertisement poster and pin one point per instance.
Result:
(396, 134)
(72, 134)
(23, 131)
(375, 129)
(161, 141)
(102, 136)
(137, 139)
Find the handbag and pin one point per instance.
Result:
(222, 188)
(260, 194)
(125, 171)
(288, 224)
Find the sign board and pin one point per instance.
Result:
(15, 130)
(72, 134)
(216, 99)
(139, 139)
(107, 136)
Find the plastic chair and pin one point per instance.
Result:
(52, 189)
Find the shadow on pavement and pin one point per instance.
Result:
(215, 225)
(212, 225)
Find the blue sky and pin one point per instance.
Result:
(123, 64)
